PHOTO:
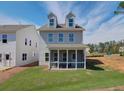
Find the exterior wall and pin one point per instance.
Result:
(31, 34)
(10, 38)
(42, 50)
(78, 36)
(9, 48)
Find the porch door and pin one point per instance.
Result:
(73, 57)
(63, 56)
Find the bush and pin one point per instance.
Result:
(121, 53)
(96, 55)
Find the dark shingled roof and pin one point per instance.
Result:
(61, 27)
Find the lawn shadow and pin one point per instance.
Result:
(91, 64)
(31, 64)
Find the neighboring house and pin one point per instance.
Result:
(18, 45)
(61, 45)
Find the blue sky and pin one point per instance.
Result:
(97, 18)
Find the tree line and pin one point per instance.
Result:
(110, 47)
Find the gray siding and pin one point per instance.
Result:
(78, 37)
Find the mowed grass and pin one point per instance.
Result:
(35, 78)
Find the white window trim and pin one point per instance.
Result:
(47, 57)
(73, 37)
(4, 38)
(71, 22)
(53, 22)
(63, 38)
(48, 38)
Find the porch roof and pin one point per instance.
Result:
(66, 46)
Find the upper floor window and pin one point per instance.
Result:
(71, 21)
(61, 35)
(51, 22)
(4, 38)
(30, 42)
(25, 41)
(50, 37)
(71, 37)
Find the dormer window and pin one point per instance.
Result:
(4, 38)
(71, 22)
(51, 22)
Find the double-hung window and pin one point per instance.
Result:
(61, 35)
(4, 38)
(46, 56)
(50, 37)
(24, 56)
(71, 21)
(71, 37)
(51, 22)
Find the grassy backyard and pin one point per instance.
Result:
(36, 78)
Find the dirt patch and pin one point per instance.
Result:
(9, 73)
(114, 62)
(118, 88)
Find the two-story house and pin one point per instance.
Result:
(18, 45)
(61, 45)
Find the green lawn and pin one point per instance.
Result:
(35, 78)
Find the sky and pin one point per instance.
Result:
(97, 17)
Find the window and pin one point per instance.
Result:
(46, 56)
(4, 38)
(61, 37)
(24, 56)
(30, 43)
(0, 57)
(7, 56)
(50, 37)
(71, 22)
(25, 41)
(51, 22)
(71, 37)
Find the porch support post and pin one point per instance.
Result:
(76, 59)
(58, 59)
(67, 58)
(49, 59)
(84, 58)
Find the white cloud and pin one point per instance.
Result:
(60, 9)
(7, 20)
(110, 30)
